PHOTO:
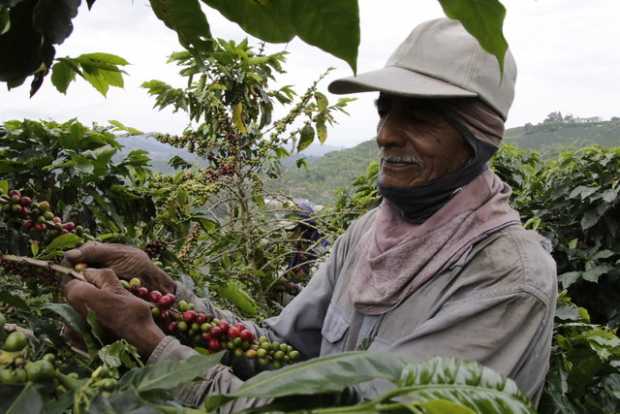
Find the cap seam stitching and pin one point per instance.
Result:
(434, 77)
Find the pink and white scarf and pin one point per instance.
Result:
(397, 257)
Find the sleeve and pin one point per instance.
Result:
(217, 380)
(510, 333)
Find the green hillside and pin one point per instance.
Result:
(551, 135)
(337, 169)
(327, 173)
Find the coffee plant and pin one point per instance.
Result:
(30, 30)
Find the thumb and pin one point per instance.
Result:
(73, 256)
(104, 279)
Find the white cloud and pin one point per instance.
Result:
(566, 52)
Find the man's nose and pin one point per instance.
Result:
(388, 132)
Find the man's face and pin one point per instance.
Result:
(417, 143)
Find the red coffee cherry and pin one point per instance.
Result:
(166, 300)
(189, 316)
(172, 327)
(234, 332)
(155, 296)
(246, 335)
(214, 345)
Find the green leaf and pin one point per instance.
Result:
(589, 219)
(444, 407)
(5, 20)
(119, 126)
(120, 353)
(238, 118)
(237, 295)
(105, 60)
(331, 25)
(466, 383)
(34, 247)
(62, 75)
(301, 162)
(583, 192)
(321, 131)
(52, 18)
(568, 278)
(306, 137)
(609, 196)
(95, 328)
(61, 243)
(29, 401)
(319, 375)
(4, 187)
(187, 19)
(596, 272)
(70, 316)
(167, 375)
(484, 20)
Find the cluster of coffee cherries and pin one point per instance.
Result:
(35, 217)
(199, 329)
(15, 368)
(155, 249)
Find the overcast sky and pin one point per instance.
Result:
(566, 51)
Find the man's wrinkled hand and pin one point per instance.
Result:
(118, 311)
(126, 261)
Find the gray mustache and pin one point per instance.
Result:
(410, 159)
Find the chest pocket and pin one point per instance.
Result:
(335, 327)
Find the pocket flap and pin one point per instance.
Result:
(335, 325)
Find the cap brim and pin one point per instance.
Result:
(399, 81)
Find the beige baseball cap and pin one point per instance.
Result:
(440, 59)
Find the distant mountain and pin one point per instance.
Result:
(325, 174)
(553, 136)
(160, 153)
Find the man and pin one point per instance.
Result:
(441, 267)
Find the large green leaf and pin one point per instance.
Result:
(61, 243)
(319, 375)
(62, 75)
(236, 294)
(306, 137)
(480, 389)
(484, 19)
(331, 25)
(167, 375)
(53, 18)
(29, 401)
(187, 19)
(70, 316)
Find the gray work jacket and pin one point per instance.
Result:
(495, 306)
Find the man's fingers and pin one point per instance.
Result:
(80, 294)
(92, 253)
(103, 278)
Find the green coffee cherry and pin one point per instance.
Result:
(16, 341)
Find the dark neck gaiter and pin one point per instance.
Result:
(419, 203)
